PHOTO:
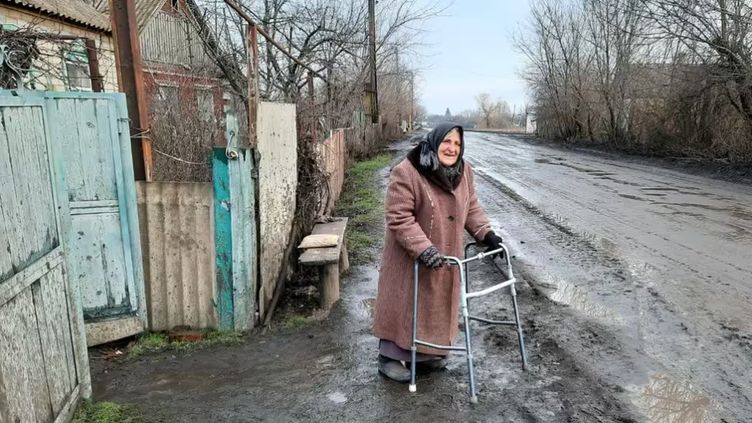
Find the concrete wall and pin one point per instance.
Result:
(52, 58)
(278, 179)
(177, 239)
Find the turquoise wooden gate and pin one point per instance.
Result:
(44, 368)
(91, 141)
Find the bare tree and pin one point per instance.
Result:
(719, 34)
(486, 107)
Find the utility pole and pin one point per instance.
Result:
(412, 100)
(372, 98)
(131, 82)
(398, 75)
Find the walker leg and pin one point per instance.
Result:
(413, 347)
(520, 336)
(468, 348)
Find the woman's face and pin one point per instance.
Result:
(449, 149)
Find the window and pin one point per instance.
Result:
(76, 67)
(205, 102)
(167, 98)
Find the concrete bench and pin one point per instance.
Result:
(332, 260)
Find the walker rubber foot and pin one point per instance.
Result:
(412, 388)
(474, 399)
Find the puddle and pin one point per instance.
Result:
(364, 307)
(564, 292)
(659, 189)
(599, 173)
(337, 397)
(665, 400)
(631, 197)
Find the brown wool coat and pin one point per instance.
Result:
(420, 214)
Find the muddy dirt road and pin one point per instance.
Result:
(662, 258)
(633, 311)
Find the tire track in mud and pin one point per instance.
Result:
(602, 300)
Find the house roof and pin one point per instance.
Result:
(95, 16)
(70, 10)
(145, 10)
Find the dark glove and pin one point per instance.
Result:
(431, 257)
(494, 242)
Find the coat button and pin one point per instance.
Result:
(451, 218)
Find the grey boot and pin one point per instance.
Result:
(393, 369)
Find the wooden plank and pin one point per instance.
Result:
(319, 256)
(244, 240)
(56, 161)
(55, 334)
(25, 224)
(114, 262)
(68, 147)
(70, 406)
(131, 208)
(129, 241)
(329, 285)
(22, 239)
(336, 227)
(85, 262)
(21, 280)
(7, 200)
(26, 391)
(223, 238)
(50, 215)
(93, 203)
(94, 210)
(111, 330)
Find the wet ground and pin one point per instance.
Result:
(662, 258)
(633, 285)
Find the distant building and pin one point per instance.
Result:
(531, 125)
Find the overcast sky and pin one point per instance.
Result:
(469, 51)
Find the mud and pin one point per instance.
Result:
(607, 339)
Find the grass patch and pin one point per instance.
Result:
(148, 342)
(295, 321)
(363, 202)
(107, 412)
(151, 342)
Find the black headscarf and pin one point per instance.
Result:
(425, 158)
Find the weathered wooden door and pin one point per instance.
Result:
(44, 367)
(91, 141)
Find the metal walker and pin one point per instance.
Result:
(465, 294)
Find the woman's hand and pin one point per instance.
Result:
(494, 242)
(431, 257)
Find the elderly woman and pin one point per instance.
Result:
(430, 201)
